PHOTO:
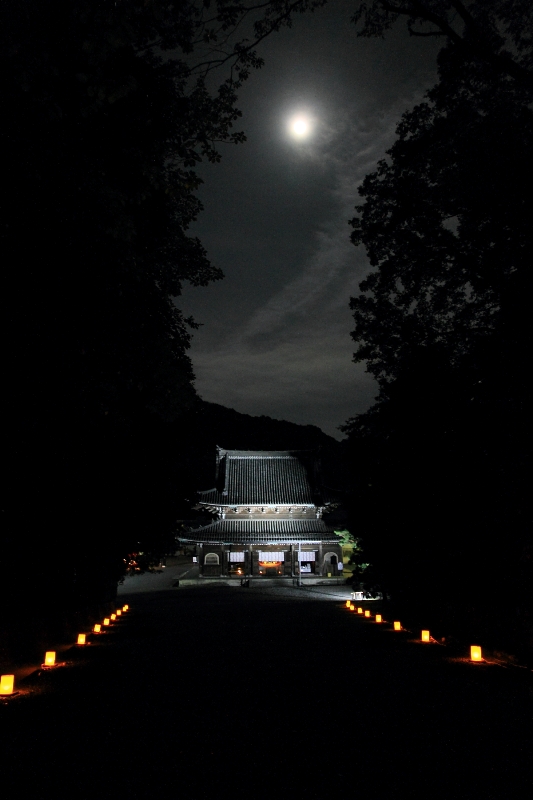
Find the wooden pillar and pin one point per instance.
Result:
(320, 554)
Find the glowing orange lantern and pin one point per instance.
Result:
(49, 658)
(378, 618)
(352, 608)
(475, 653)
(425, 636)
(348, 604)
(7, 684)
(367, 613)
(125, 608)
(359, 610)
(106, 621)
(113, 617)
(119, 612)
(81, 638)
(97, 628)
(397, 626)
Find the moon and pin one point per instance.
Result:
(300, 127)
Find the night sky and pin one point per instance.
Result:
(276, 331)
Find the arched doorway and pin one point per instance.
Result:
(331, 561)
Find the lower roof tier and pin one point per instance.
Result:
(262, 531)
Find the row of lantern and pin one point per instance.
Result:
(7, 682)
(475, 650)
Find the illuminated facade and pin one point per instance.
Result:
(267, 508)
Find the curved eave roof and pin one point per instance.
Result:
(227, 531)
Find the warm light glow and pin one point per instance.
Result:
(352, 608)
(425, 636)
(125, 608)
(119, 612)
(378, 618)
(97, 628)
(113, 617)
(7, 684)
(81, 638)
(348, 604)
(397, 626)
(49, 658)
(106, 621)
(359, 610)
(475, 653)
(367, 613)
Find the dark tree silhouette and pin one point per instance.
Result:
(442, 322)
(107, 107)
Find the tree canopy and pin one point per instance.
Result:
(107, 109)
(442, 320)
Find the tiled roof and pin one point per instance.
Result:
(259, 477)
(259, 531)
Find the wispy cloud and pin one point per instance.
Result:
(294, 353)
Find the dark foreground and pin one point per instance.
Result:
(224, 691)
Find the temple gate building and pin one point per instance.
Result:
(267, 508)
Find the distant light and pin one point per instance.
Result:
(352, 608)
(425, 636)
(81, 638)
(348, 604)
(359, 610)
(106, 621)
(49, 658)
(113, 617)
(97, 628)
(119, 612)
(378, 618)
(367, 613)
(7, 684)
(475, 653)
(125, 608)
(397, 626)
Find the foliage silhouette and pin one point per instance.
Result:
(442, 323)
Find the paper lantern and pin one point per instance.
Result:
(348, 604)
(475, 653)
(367, 613)
(397, 626)
(97, 628)
(119, 612)
(378, 618)
(7, 684)
(49, 658)
(125, 608)
(359, 610)
(425, 636)
(106, 621)
(352, 608)
(113, 617)
(81, 638)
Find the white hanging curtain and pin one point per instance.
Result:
(271, 556)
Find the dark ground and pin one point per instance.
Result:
(222, 691)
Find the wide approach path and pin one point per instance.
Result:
(266, 693)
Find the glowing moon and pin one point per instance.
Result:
(300, 127)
